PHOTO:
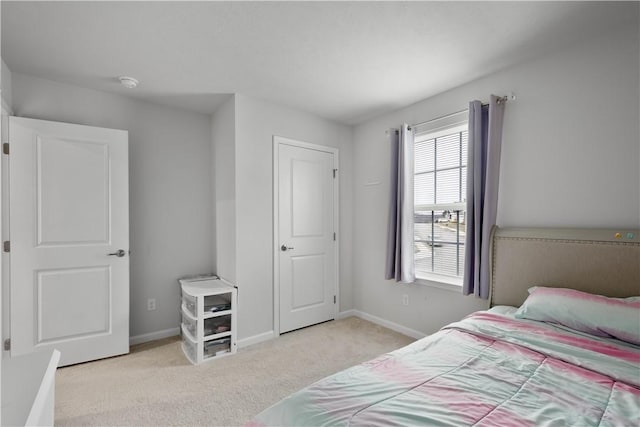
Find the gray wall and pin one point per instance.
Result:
(170, 186)
(256, 124)
(571, 155)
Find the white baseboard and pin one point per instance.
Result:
(383, 322)
(345, 314)
(266, 336)
(152, 336)
(139, 339)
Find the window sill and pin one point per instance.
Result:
(453, 284)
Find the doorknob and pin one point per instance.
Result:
(283, 248)
(119, 253)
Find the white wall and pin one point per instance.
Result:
(223, 135)
(256, 124)
(571, 157)
(170, 186)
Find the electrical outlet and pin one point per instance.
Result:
(151, 304)
(405, 299)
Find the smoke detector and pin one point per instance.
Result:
(128, 82)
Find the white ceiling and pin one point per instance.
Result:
(346, 61)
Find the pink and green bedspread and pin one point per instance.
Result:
(489, 369)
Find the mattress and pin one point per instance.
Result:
(486, 370)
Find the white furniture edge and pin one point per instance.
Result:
(28, 385)
(44, 403)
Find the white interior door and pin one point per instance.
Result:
(69, 232)
(306, 223)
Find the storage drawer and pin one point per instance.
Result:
(190, 304)
(217, 325)
(217, 303)
(207, 319)
(189, 348)
(190, 325)
(217, 347)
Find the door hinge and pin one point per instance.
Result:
(7, 344)
(334, 299)
(6, 246)
(335, 171)
(334, 236)
(5, 148)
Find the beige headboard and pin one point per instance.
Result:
(605, 262)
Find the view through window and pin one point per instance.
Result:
(440, 201)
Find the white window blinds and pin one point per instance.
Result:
(440, 191)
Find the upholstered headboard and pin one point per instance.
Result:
(599, 261)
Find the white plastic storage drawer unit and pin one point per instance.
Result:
(208, 319)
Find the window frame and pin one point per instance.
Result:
(457, 125)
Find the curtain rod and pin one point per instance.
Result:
(446, 116)
(501, 100)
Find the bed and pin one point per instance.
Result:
(559, 345)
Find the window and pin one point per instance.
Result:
(440, 202)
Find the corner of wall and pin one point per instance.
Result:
(6, 93)
(223, 140)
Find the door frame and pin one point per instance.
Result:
(5, 112)
(277, 142)
(5, 291)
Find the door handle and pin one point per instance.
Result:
(283, 248)
(119, 253)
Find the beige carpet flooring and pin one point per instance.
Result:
(155, 385)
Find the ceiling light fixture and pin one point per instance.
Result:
(128, 82)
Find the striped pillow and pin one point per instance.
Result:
(594, 314)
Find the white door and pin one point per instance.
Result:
(69, 233)
(306, 221)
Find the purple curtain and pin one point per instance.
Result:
(400, 263)
(483, 173)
